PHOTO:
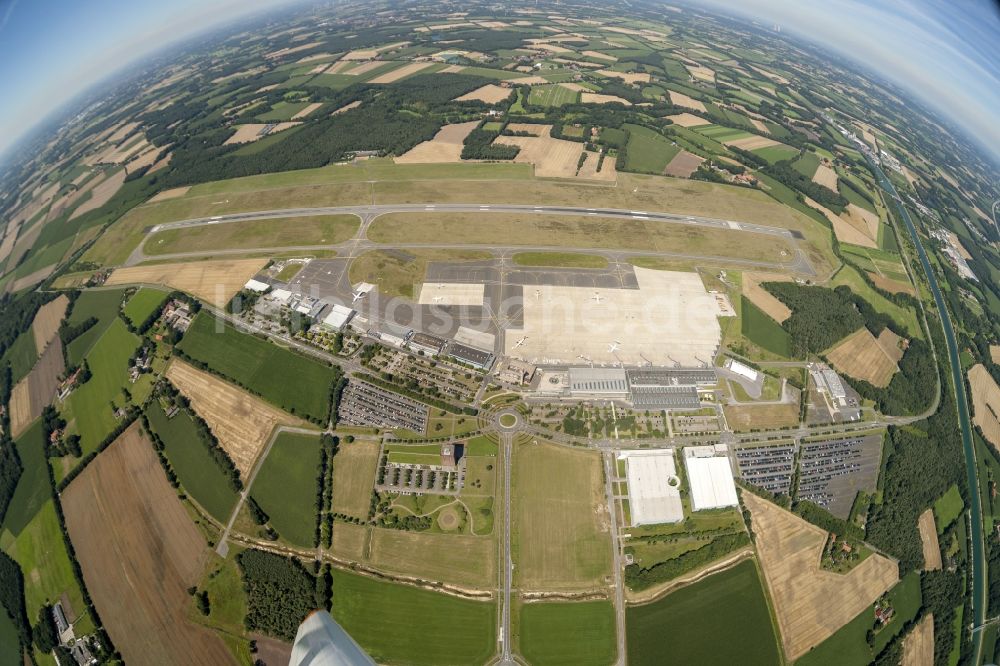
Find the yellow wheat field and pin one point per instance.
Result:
(211, 281)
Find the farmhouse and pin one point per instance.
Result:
(710, 477)
(653, 487)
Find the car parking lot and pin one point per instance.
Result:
(768, 467)
(365, 404)
(832, 472)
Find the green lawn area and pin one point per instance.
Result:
(948, 508)
(763, 331)
(285, 487)
(807, 164)
(90, 405)
(480, 446)
(101, 304)
(560, 259)
(723, 619)
(33, 487)
(398, 624)
(567, 633)
(198, 472)
(552, 95)
(143, 303)
(277, 232)
(721, 133)
(22, 355)
(295, 383)
(776, 153)
(648, 151)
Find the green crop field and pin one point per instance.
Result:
(22, 355)
(648, 151)
(552, 95)
(558, 541)
(948, 508)
(807, 164)
(398, 624)
(763, 331)
(723, 619)
(90, 405)
(280, 232)
(285, 487)
(776, 153)
(721, 133)
(295, 383)
(198, 472)
(142, 304)
(282, 111)
(560, 259)
(103, 305)
(9, 646)
(33, 487)
(567, 633)
(904, 316)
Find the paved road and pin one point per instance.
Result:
(618, 562)
(506, 562)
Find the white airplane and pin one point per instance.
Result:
(613, 346)
(597, 297)
(357, 296)
(520, 342)
(438, 299)
(538, 292)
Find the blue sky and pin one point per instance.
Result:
(945, 52)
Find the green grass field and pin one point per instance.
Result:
(198, 472)
(282, 111)
(807, 164)
(723, 619)
(567, 633)
(552, 95)
(648, 151)
(33, 487)
(560, 259)
(285, 487)
(90, 405)
(397, 624)
(776, 153)
(142, 304)
(904, 316)
(280, 232)
(948, 508)
(22, 355)
(721, 133)
(763, 331)
(101, 304)
(297, 384)
(9, 646)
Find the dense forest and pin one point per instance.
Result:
(280, 593)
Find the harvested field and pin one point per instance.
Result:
(680, 99)
(683, 164)
(762, 298)
(353, 477)
(306, 111)
(995, 353)
(451, 69)
(101, 194)
(135, 541)
(627, 77)
(575, 87)
(688, 119)
(31, 394)
(844, 230)
(47, 320)
(530, 81)
(918, 646)
(347, 107)
(251, 132)
(401, 72)
(701, 73)
(364, 68)
(600, 56)
(446, 146)
(810, 603)
(892, 344)
(10, 237)
(490, 94)
(589, 169)
(759, 124)
(241, 422)
(212, 281)
(860, 356)
(862, 219)
(553, 158)
(929, 541)
(985, 403)
(825, 176)
(597, 98)
(457, 559)
(31, 279)
(146, 159)
(958, 245)
(892, 286)
(174, 193)
(338, 67)
(752, 142)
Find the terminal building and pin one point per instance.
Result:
(654, 389)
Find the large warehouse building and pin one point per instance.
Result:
(669, 320)
(710, 477)
(654, 494)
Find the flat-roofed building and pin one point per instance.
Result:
(665, 397)
(426, 343)
(338, 317)
(742, 369)
(654, 494)
(281, 295)
(256, 285)
(598, 382)
(672, 377)
(474, 357)
(710, 479)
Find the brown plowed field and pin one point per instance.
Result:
(683, 164)
(32, 393)
(929, 541)
(139, 552)
(890, 344)
(689, 120)
(985, 403)
(918, 647)
(446, 146)
(241, 422)
(810, 603)
(212, 281)
(995, 353)
(764, 299)
(892, 286)
(46, 323)
(861, 357)
(490, 94)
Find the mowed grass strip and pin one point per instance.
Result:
(648, 151)
(143, 303)
(763, 331)
(552, 95)
(91, 403)
(560, 260)
(398, 624)
(103, 305)
(580, 633)
(280, 232)
(560, 532)
(295, 383)
(197, 470)
(285, 487)
(723, 619)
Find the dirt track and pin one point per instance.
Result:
(139, 552)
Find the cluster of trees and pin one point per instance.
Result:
(820, 316)
(12, 598)
(329, 445)
(638, 578)
(820, 517)
(10, 463)
(912, 388)
(785, 174)
(337, 390)
(18, 313)
(280, 593)
(44, 633)
(478, 145)
(243, 301)
(56, 447)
